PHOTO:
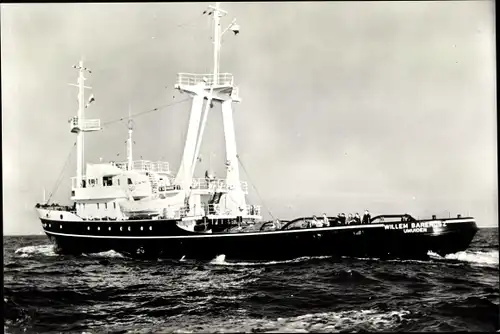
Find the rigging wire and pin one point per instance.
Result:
(60, 178)
(144, 112)
(255, 188)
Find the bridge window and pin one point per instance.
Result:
(129, 181)
(114, 205)
(105, 205)
(61, 216)
(107, 181)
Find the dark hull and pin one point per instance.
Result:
(164, 239)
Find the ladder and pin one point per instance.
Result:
(154, 183)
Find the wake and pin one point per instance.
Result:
(490, 258)
(221, 261)
(49, 251)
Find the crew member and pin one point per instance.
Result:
(315, 222)
(357, 220)
(339, 219)
(207, 178)
(366, 217)
(326, 221)
(277, 224)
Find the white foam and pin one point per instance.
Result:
(485, 258)
(221, 260)
(371, 320)
(107, 254)
(30, 251)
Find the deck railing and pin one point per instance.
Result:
(190, 79)
(86, 125)
(145, 166)
(217, 209)
(216, 185)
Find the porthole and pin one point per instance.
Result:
(60, 226)
(129, 228)
(121, 228)
(98, 228)
(88, 228)
(142, 228)
(110, 228)
(151, 228)
(50, 225)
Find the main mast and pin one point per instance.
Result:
(219, 89)
(80, 125)
(217, 35)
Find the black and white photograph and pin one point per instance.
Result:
(301, 166)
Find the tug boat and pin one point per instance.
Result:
(141, 209)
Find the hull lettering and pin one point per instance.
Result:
(415, 225)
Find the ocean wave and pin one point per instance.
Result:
(489, 258)
(30, 251)
(221, 260)
(362, 320)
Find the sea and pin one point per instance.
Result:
(109, 293)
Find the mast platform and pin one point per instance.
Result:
(221, 84)
(84, 125)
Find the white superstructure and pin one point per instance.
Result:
(120, 190)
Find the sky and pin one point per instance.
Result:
(346, 106)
